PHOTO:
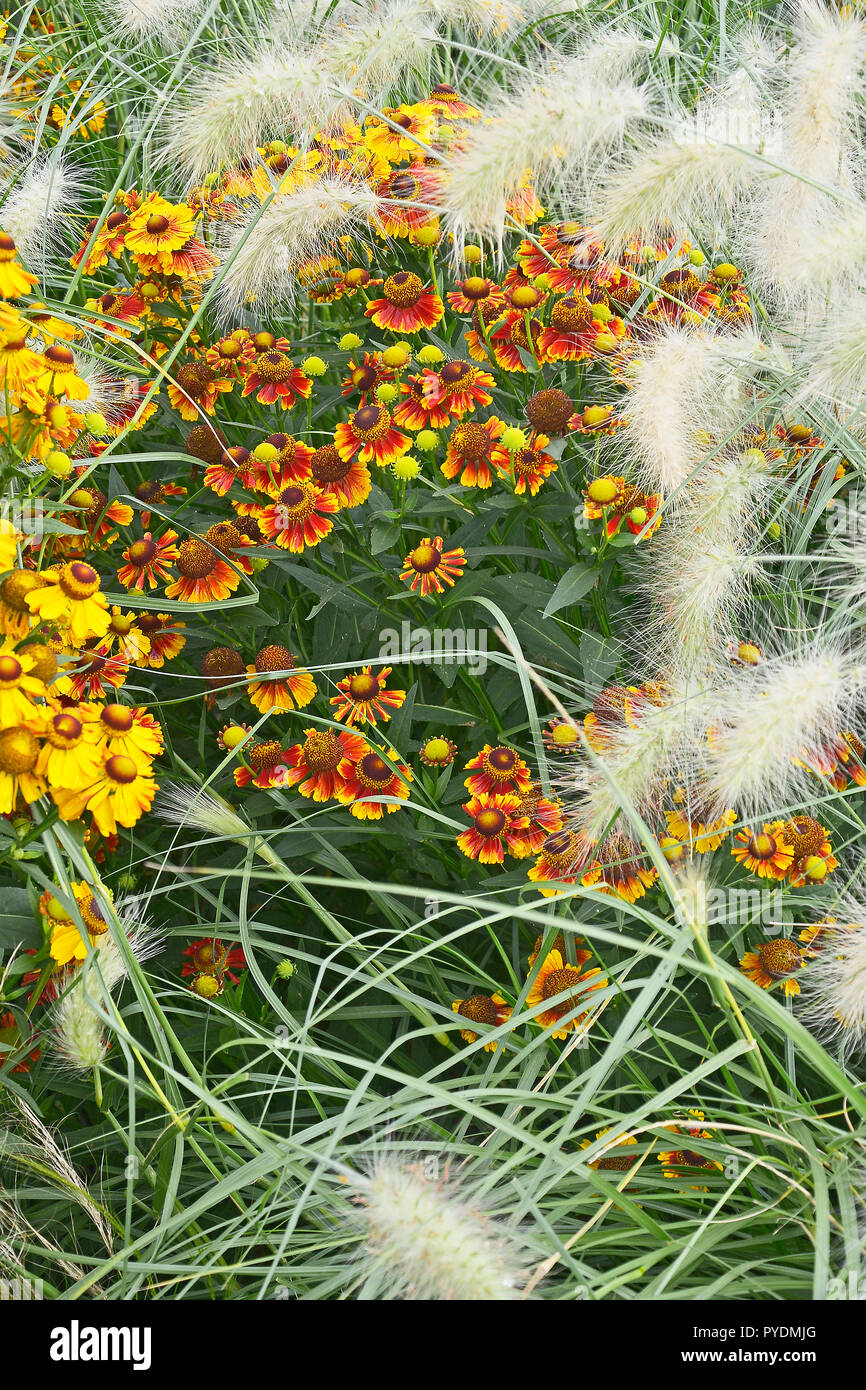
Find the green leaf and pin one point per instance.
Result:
(18, 926)
(576, 582)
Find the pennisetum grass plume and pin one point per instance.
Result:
(267, 93)
(33, 204)
(428, 1238)
(561, 113)
(686, 389)
(769, 720)
(635, 760)
(148, 21)
(834, 352)
(702, 563)
(79, 1032)
(834, 981)
(816, 105)
(265, 249)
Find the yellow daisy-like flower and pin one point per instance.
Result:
(14, 280)
(119, 795)
(677, 1160)
(71, 598)
(553, 978)
(156, 230)
(693, 825)
(612, 1159)
(128, 730)
(67, 944)
(18, 687)
(276, 685)
(19, 753)
(69, 756)
(774, 962)
(9, 539)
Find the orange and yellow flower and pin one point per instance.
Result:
(554, 977)
(277, 685)
(774, 962)
(363, 696)
(430, 567)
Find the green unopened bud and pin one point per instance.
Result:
(313, 366)
(513, 439)
(95, 423)
(349, 342)
(59, 464)
(427, 441)
(285, 970)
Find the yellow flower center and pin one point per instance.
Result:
(78, 580)
(425, 558)
(437, 750)
(298, 500)
(64, 730)
(470, 441)
(327, 466)
(18, 751)
(196, 559)
(557, 981)
(479, 1008)
(490, 822)
(373, 772)
(274, 367)
(500, 763)
(571, 315)
(371, 422)
(117, 718)
(264, 755)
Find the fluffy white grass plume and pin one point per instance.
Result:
(184, 805)
(635, 761)
(148, 21)
(831, 260)
(701, 565)
(545, 130)
(835, 356)
(817, 105)
(265, 94)
(834, 982)
(265, 249)
(33, 208)
(686, 387)
(79, 1032)
(36, 1139)
(429, 1239)
(673, 185)
(771, 718)
(80, 1036)
(843, 564)
(478, 16)
(374, 48)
